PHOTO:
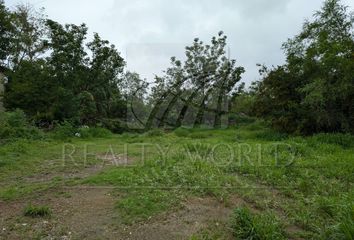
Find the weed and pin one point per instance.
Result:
(246, 225)
(270, 135)
(200, 149)
(344, 229)
(142, 204)
(340, 139)
(37, 211)
(326, 206)
(214, 231)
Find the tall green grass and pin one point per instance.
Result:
(246, 225)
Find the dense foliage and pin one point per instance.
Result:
(197, 91)
(314, 90)
(55, 75)
(5, 28)
(14, 125)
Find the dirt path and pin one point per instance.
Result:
(196, 214)
(88, 213)
(76, 213)
(103, 162)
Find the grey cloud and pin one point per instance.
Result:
(148, 33)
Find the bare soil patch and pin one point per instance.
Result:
(77, 213)
(104, 161)
(196, 214)
(88, 213)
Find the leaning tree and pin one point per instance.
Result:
(204, 82)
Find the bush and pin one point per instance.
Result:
(200, 135)
(155, 133)
(114, 125)
(40, 211)
(256, 126)
(344, 140)
(270, 135)
(181, 132)
(16, 119)
(15, 125)
(245, 225)
(94, 132)
(237, 119)
(64, 131)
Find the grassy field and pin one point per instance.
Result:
(247, 182)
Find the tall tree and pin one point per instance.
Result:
(54, 74)
(135, 92)
(6, 29)
(217, 76)
(68, 61)
(314, 90)
(30, 88)
(203, 82)
(28, 39)
(104, 78)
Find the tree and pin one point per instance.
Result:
(5, 31)
(105, 75)
(68, 61)
(135, 94)
(203, 82)
(30, 89)
(29, 86)
(28, 40)
(54, 75)
(314, 90)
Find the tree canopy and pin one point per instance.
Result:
(202, 85)
(56, 74)
(314, 90)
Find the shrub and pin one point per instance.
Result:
(37, 211)
(255, 126)
(238, 119)
(15, 125)
(64, 131)
(270, 135)
(155, 133)
(245, 225)
(114, 125)
(98, 132)
(181, 132)
(200, 135)
(129, 135)
(16, 119)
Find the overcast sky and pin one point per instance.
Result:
(149, 32)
